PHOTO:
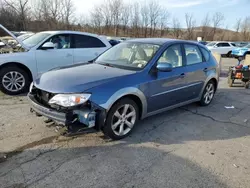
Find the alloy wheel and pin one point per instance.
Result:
(13, 81)
(209, 94)
(123, 120)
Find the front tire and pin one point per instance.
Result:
(13, 80)
(208, 94)
(121, 119)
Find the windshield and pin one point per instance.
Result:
(211, 44)
(35, 39)
(128, 55)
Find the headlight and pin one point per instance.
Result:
(31, 86)
(68, 100)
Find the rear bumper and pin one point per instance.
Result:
(46, 112)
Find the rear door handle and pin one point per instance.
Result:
(182, 75)
(205, 70)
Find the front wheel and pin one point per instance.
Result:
(121, 119)
(208, 94)
(13, 80)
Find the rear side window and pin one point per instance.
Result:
(193, 54)
(223, 44)
(205, 53)
(84, 41)
(233, 44)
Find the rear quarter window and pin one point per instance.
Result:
(205, 53)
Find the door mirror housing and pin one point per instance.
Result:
(48, 45)
(164, 67)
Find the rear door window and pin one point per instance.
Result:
(85, 41)
(223, 44)
(193, 54)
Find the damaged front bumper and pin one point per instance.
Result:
(86, 117)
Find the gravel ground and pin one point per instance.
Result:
(191, 146)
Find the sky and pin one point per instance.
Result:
(232, 9)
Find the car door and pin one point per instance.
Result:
(224, 47)
(196, 67)
(87, 48)
(60, 55)
(166, 89)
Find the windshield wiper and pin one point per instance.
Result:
(107, 64)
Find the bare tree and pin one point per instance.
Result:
(164, 21)
(96, 19)
(176, 28)
(245, 29)
(125, 17)
(154, 13)
(217, 20)
(205, 27)
(67, 12)
(237, 25)
(145, 18)
(190, 24)
(115, 7)
(135, 19)
(21, 7)
(107, 16)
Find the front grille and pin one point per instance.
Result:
(42, 97)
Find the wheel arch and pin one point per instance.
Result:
(19, 65)
(215, 82)
(133, 93)
(136, 99)
(246, 53)
(210, 78)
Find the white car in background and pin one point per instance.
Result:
(44, 51)
(221, 47)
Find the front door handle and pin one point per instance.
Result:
(182, 75)
(68, 55)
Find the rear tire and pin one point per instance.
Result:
(121, 119)
(208, 94)
(229, 54)
(14, 80)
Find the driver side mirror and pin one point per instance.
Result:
(164, 67)
(216, 46)
(48, 45)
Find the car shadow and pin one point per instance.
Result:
(118, 165)
(230, 108)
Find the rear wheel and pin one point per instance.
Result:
(208, 94)
(229, 54)
(13, 80)
(121, 119)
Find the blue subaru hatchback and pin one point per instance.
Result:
(131, 81)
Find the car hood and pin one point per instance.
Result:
(78, 78)
(14, 37)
